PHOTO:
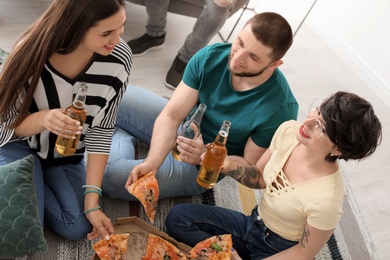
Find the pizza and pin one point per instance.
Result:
(145, 189)
(113, 249)
(213, 248)
(160, 249)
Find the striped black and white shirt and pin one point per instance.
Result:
(106, 77)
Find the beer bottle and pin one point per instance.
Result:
(68, 146)
(187, 129)
(214, 158)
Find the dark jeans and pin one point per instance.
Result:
(251, 238)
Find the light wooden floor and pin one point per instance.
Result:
(312, 69)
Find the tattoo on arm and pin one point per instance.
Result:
(305, 236)
(250, 176)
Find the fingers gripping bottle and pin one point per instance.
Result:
(68, 146)
(214, 157)
(189, 128)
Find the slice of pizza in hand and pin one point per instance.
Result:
(214, 248)
(160, 249)
(113, 249)
(145, 189)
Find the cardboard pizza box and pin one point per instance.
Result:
(139, 231)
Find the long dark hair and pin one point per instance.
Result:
(351, 124)
(60, 29)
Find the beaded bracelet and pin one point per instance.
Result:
(92, 186)
(93, 191)
(93, 209)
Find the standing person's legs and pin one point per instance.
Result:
(13, 151)
(64, 200)
(157, 17)
(154, 37)
(209, 22)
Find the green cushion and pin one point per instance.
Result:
(21, 232)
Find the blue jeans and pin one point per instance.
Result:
(209, 22)
(193, 223)
(137, 113)
(58, 189)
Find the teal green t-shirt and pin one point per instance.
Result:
(255, 113)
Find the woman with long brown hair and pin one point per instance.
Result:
(73, 42)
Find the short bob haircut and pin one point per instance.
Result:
(351, 124)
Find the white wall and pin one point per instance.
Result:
(356, 30)
(359, 32)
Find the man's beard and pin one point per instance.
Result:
(246, 74)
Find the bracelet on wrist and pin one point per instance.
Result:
(92, 186)
(93, 191)
(92, 209)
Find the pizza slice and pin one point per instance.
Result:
(213, 248)
(160, 249)
(113, 249)
(145, 189)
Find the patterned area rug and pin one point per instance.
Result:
(349, 240)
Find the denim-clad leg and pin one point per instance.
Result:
(13, 151)
(64, 200)
(209, 22)
(138, 111)
(157, 17)
(136, 120)
(262, 242)
(59, 193)
(193, 223)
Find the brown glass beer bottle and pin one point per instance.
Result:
(214, 157)
(68, 146)
(187, 129)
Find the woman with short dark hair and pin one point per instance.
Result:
(303, 184)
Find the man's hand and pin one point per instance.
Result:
(139, 171)
(190, 150)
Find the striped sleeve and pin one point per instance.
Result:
(98, 140)
(6, 133)
(99, 135)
